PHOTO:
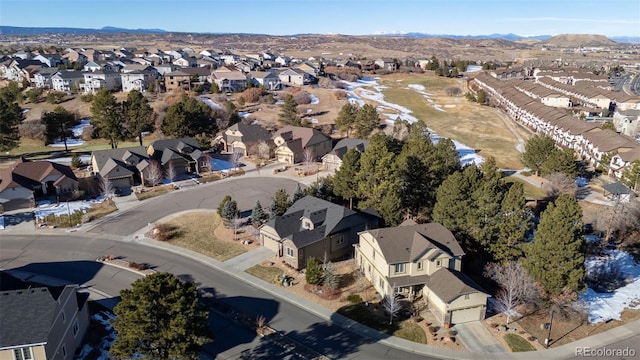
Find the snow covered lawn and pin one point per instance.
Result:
(45, 208)
(604, 306)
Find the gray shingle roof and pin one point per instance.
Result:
(33, 309)
(406, 243)
(123, 159)
(344, 145)
(328, 219)
(616, 188)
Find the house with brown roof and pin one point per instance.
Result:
(421, 259)
(313, 227)
(243, 138)
(293, 141)
(26, 181)
(123, 167)
(183, 155)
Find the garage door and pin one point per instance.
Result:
(16, 204)
(465, 315)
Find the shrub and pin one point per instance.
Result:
(340, 95)
(33, 129)
(341, 85)
(34, 95)
(354, 299)
(241, 101)
(75, 161)
(137, 266)
(163, 232)
(432, 330)
(302, 98)
(252, 94)
(313, 275)
(86, 98)
(269, 99)
(452, 91)
(55, 97)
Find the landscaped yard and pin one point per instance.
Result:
(406, 329)
(195, 231)
(153, 192)
(476, 126)
(266, 273)
(517, 343)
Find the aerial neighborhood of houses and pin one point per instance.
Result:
(403, 250)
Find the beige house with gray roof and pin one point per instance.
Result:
(421, 260)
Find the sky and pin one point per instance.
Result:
(351, 17)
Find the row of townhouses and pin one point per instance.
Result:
(525, 103)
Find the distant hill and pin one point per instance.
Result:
(579, 40)
(17, 30)
(508, 37)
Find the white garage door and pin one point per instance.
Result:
(465, 315)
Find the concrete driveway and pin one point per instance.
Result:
(478, 339)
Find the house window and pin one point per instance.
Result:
(22, 354)
(64, 319)
(381, 283)
(439, 263)
(75, 327)
(340, 240)
(374, 254)
(64, 351)
(400, 268)
(419, 265)
(290, 252)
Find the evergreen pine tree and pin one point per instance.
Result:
(346, 118)
(108, 120)
(313, 271)
(281, 203)
(515, 222)
(160, 318)
(11, 115)
(484, 218)
(418, 193)
(562, 161)
(631, 176)
(454, 202)
(536, 152)
(366, 120)
(298, 194)
(289, 112)
(345, 178)
(220, 207)
(258, 215)
(556, 256)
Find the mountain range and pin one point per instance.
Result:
(16, 30)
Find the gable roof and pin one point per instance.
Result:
(327, 218)
(344, 145)
(306, 137)
(25, 173)
(449, 284)
(616, 188)
(251, 133)
(167, 149)
(114, 163)
(408, 243)
(32, 309)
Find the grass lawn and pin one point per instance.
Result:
(194, 231)
(99, 210)
(471, 124)
(403, 329)
(36, 149)
(266, 273)
(530, 191)
(154, 191)
(517, 343)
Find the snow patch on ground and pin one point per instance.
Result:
(45, 208)
(449, 106)
(67, 160)
(107, 341)
(279, 102)
(416, 87)
(604, 306)
(244, 114)
(70, 142)
(79, 129)
(314, 99)
(210, 102)
(437, 107)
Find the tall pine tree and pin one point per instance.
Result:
(139, 116)
(346, 118)
(10, 117)
(108, 120)
(514, 223)
(345, 182)
(289, 112)
(556, 256)
(160, 318)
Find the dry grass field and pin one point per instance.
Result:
(476, 126)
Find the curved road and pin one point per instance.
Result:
(69, 257)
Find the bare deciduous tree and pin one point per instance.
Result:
(236, 223)
(558, 184)
(264, 150)
(331, 279)
(235, 159)
(106, 187)
(153, 173)
(309, 158)
(171, 172)
(453, 91)
(516, 286)
(392, 305)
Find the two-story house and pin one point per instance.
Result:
(229, 81)
(51, 60)
(101, 79)
(333, 160)
(243, 138)
(268, 80)
(40, 323)
(292, 142)
(66, 80)
(421, 259)
(42, 79)
(183, 155)
(136, 80)
(313, 227)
